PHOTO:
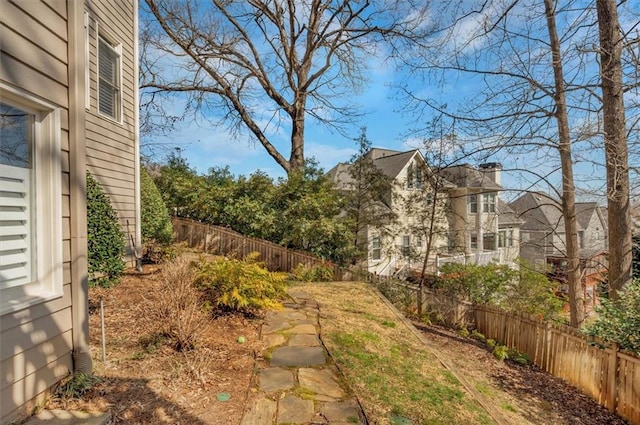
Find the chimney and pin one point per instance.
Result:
(492, 170)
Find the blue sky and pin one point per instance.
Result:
(205, 146)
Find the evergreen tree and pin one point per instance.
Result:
(367, 198)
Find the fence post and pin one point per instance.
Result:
(546, 348)
(206, 236)
(612, 379)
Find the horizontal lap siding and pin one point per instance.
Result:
(111, 145)
(36, 341)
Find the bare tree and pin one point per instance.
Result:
(574, 281)
(616, 151)
(525, 99)
(261, 67)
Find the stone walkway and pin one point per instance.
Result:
(296, 381)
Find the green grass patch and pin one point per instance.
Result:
(394, 375)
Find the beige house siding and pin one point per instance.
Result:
(37, 341)
(41, 58)
(111, 153)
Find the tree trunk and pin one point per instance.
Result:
(576, 293)
(615, 142)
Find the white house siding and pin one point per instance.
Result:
(36, 342)
(111, 153)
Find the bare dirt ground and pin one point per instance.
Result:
(523, 394)
(144, 381)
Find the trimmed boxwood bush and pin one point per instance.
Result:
(156, 224)
(105, 238)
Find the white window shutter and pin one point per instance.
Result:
(15, 226)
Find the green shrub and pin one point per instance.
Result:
(241, 285)
(464, 332)
(315, 273)
(155, 221)
(500, 352)
(478, 336)
(518, 357)
(491, 342)
(105, 238)
(619, 321)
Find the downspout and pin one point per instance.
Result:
(77, 188)
(136, 135)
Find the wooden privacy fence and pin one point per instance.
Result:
(223, 241)
(608, 375)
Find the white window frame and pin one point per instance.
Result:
(115, 48)
(376, 248)
(87, 61)
(406, 245)
(505, 238)
(47, 277)
(473, 241)
(419, 241)
(489, 203)
(473, 204)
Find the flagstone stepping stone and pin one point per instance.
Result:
(297, 356)
(341, 411)
(272, 340)
(294, 315)
(304, 329)
(294, 410)
(320, 381)
(262, 412)
(275, 379)
(275, 324)
(304, 340)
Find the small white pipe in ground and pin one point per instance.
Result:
(104, 344)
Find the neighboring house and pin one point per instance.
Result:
(471, 223)
(543, 238)
(402, 245)
(483, 227)
(68, 103)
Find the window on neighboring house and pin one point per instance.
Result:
(489, 241)
(505, 238)
(419, 241)
(473, 241)
(473, 204)
(109, 79)
(30, 201)
(375, 248)
(489, 202)
(410, 177)
(428, 198)
(406, 247)
(581, 238)
(418, 173)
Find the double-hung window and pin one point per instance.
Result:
(473, 204)
(489, 203)
(406, 246)
(376, 248)
(109, 79)
(30, 201)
